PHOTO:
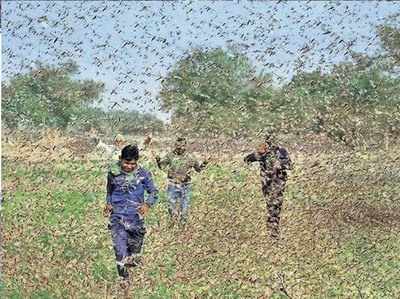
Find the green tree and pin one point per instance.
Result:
(390, 38)
(109, 122)
(350, 104)
(213, 77)
(47, 96)
(214, 91)
(132, 122)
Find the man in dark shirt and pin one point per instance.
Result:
(274, 162)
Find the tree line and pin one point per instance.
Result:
(218, 91)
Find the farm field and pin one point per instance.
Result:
(340, 226)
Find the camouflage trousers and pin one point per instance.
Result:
(272, 189)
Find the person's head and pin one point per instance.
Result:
(180, 145)
(129, 158)
(262, 148)
(119, 141)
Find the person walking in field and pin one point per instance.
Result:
(179, 165)
(274, 163)
(126, 206)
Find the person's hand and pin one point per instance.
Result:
(277, 167)
(107, 210)
(144, 209)
(147, 141)
(206, 161)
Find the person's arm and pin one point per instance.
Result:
(253, 157)
(161, 163)
(151, 190)
(110, 188)
(284, 159)
(198, 166)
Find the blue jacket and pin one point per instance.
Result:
(126, 190)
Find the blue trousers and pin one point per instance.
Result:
(179, 196)
(127, 232)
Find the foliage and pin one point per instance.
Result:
(216, 91)
(350, 104)
(47, 96)
(110, 122)
(204, 77)
(390, 37)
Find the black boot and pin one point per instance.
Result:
(123, 272)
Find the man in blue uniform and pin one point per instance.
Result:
(126, 207)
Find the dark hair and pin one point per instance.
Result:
(130, 152)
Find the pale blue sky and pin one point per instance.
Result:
(131, 45)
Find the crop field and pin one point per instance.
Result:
(340, 227)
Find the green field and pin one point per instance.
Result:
(340, 228)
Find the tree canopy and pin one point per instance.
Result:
(47, 96)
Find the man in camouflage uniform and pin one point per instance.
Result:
(274, 162)
(179, 165)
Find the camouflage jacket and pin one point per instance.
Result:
(179, 167)
(275, 162)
